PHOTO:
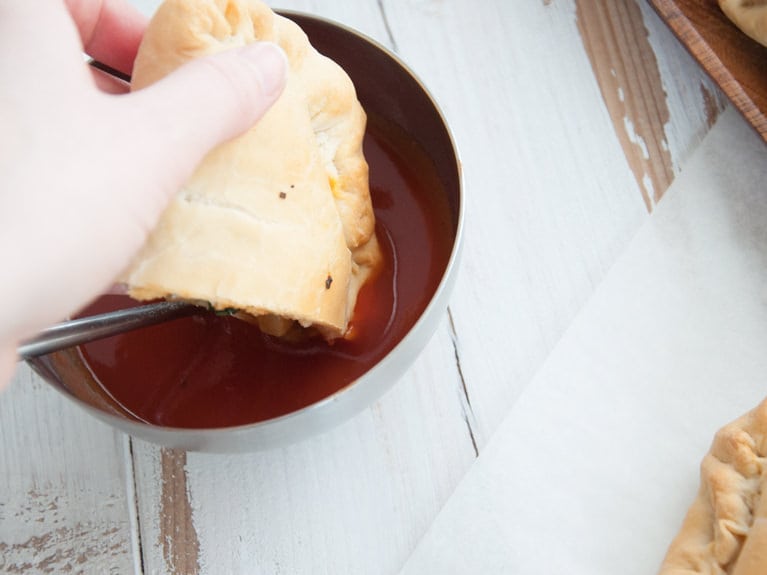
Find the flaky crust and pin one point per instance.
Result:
(278, 222)
(748, 15)
(725, 530)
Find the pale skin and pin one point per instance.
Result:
(86, 169)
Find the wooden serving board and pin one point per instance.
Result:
(734, 61)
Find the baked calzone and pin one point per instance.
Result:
(748, 15)
(725, 530)
(277, 223)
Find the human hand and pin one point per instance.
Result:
(85, 171)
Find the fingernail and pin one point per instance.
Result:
(271, 63)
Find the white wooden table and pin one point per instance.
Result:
(572, 118)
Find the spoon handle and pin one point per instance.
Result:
(82, 330)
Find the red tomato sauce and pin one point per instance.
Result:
(212, 371)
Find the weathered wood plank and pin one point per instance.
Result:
(169, 540)
(732, 58)
(551, 198)
(63, 507)
(694, 101)
(661, 102)
(616, 42)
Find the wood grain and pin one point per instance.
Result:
(63, 501)
(693, 99)
(178, 537)
(616, 41)
(737, 63)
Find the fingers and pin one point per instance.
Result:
(110, 30)
(207, 102)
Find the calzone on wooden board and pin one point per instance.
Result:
(725, 530)
(277, 223)
(748, 15)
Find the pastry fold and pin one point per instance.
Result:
(725, 530)
(277, 223)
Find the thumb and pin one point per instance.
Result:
(206, 102)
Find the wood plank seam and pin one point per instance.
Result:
(133, 510)
(385, 19)
(632, 88)
(466, 409)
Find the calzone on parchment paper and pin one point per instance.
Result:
(277, 223)
(725, 530)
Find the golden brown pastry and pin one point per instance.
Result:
(725, 530)
(748, 15)
(278, 222)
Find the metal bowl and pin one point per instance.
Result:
(386, 87)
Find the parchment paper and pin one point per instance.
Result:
(593, 469)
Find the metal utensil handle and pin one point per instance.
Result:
(82, 330)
